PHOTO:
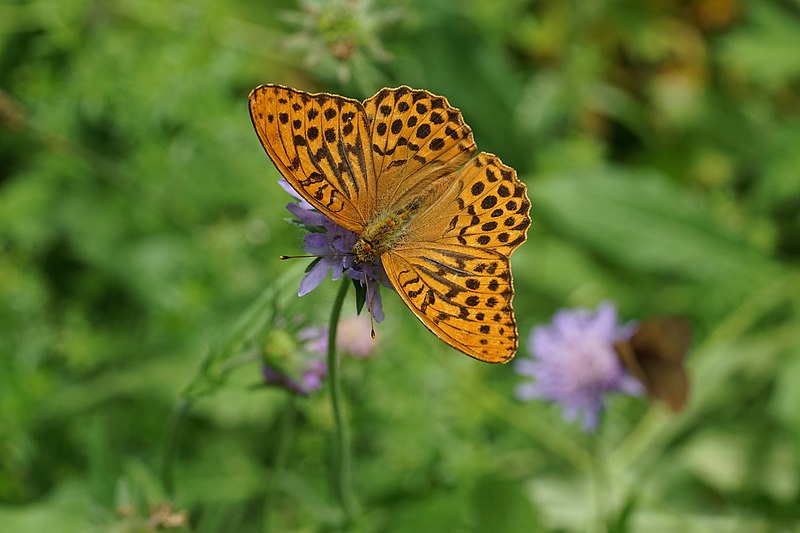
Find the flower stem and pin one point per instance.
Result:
(285, 433)
(341, 449)
(179, 412)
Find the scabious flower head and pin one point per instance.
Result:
(291, 362)
(310, 379)
(333, 246)
(297, 362)
(573, 363)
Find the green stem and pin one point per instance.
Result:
(341, 449)
(286, 435)
(599, 497)
(179, 411)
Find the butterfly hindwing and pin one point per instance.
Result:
(486, 206)
(319, 143)
(463, 295)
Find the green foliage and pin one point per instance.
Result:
(140, 286)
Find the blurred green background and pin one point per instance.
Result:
(140, 228)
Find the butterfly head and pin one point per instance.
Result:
(365, 251)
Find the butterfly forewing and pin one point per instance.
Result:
(319, 143)
(463, 295)
(417, 138)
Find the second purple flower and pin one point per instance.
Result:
(573, 363)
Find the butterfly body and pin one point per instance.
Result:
(384, 232)
(398, 170)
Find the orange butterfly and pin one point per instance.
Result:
(398, 170)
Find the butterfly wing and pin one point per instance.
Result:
(485, 206)
(665, 338)
(320, 144)
(452, 268)
(655, 356)
(461, 294)
(417, 139)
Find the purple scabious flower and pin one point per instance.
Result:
(310, 379)
(334, 249)
(304, 367)
(573, 363)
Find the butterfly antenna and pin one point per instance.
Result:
(310, 256)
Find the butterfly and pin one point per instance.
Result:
(654, 355)
(398, 169)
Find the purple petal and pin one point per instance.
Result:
(315, 339)
(336, 271)
(527, 391)
(319, 366)
(271, 375)
(306, 216)
(289, 189)
(313, 278)
(311, 382)
(526, 367)
(605, 320)
(315, 243)
(377, 304)
(544, 342)
(591, 417)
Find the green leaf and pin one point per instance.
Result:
(361, 295)
(643, 222)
